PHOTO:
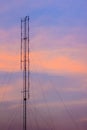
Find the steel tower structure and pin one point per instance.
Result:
(25, 65)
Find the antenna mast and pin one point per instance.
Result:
(25, 65)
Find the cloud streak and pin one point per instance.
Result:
(53, 54)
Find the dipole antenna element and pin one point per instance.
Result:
(24, 63)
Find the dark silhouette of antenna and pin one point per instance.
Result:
(25, 65)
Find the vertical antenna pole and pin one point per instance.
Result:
(25, 74)
(21, 46)
(28, 60)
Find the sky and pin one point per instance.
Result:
(58, 64)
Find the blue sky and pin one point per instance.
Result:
(62, 13)
(58, 63)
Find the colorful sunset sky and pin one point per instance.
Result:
(58, 64)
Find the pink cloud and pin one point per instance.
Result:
(55, 37)
(74, 103)
(49, 53)
(5, 93)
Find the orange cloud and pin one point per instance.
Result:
(46, 61)
(9, 61)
